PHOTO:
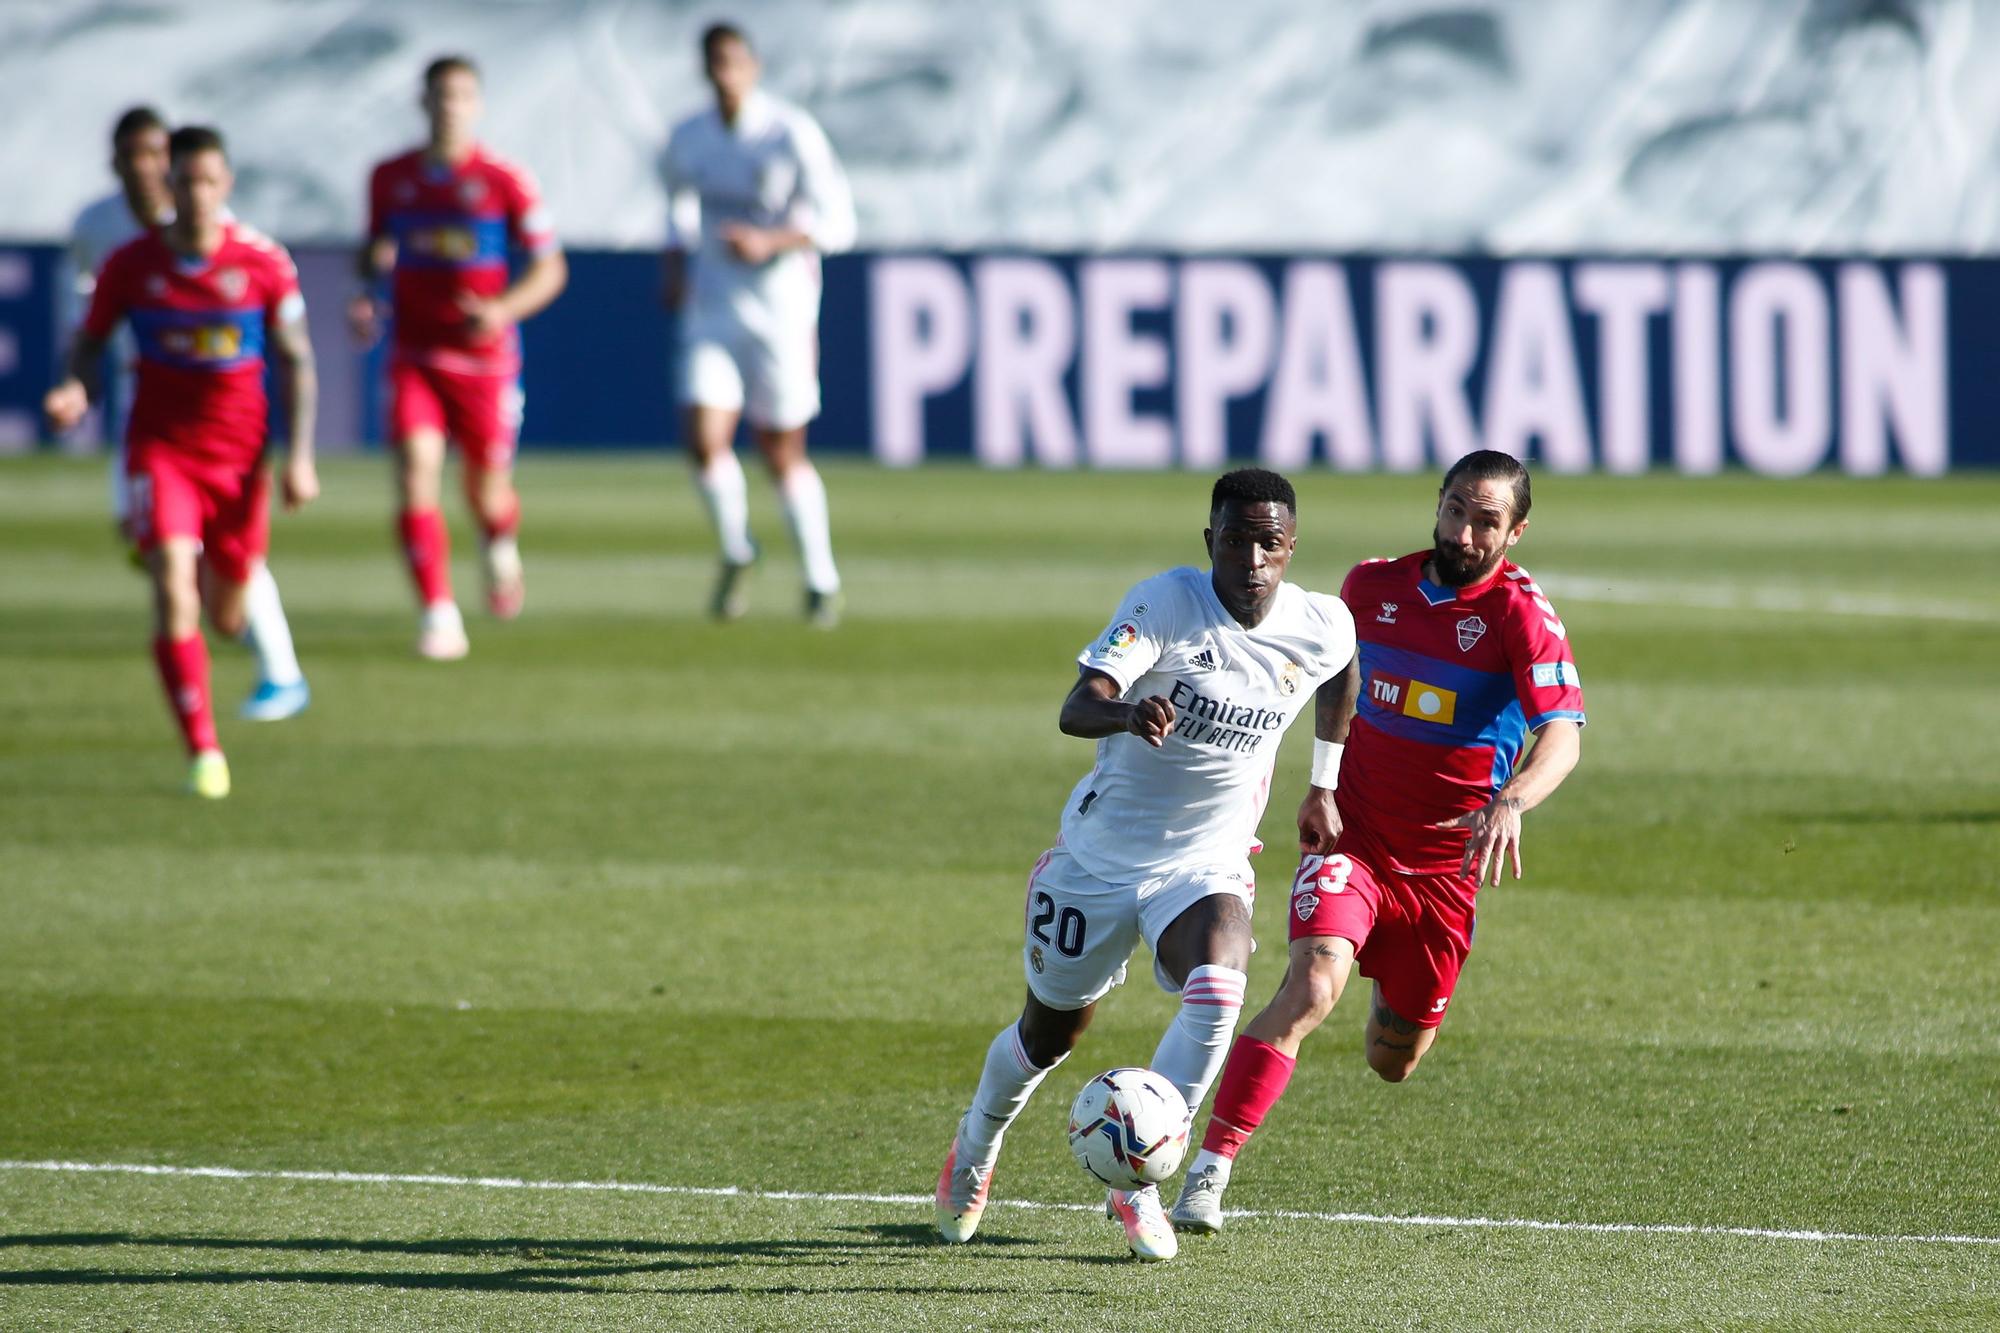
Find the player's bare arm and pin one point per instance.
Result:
(759, 245)
(673, 278)
(1496, 826)
(541, 282)
(66, 404)
(375, 259)
(1333, 710)
(1093, 710)
(298, 390)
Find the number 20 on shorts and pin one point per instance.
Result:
(1069, 926)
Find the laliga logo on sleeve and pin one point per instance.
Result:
(1121, 637)
(1469, 631)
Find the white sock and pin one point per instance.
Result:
(723, 490)
(1210, 1163)
(804, 495)
(443, 615)
(266, 632)
(503, 559)
(1196, 1043)
(1005, 1085)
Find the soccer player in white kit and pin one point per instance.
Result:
(1188, 692)
(754, 197)
(142, 202)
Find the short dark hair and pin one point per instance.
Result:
(136, 120)
(1252, 485)
(1492, 465)
(444, 65)
(715, 34)
(191, 139)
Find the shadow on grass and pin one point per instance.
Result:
(576, 1266)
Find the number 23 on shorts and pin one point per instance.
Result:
(1322, 874)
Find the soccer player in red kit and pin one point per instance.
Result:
(202, 294)
(444, 220)
(1461, 658)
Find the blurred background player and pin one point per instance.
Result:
(202, 295)
(142, 203)
(444, 218)
(1462, 658)
(1188, 693)
(755, 192)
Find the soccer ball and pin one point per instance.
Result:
(1129, 1128)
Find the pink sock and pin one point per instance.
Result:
(427, 548)
(183, 668)
(1252, 1082)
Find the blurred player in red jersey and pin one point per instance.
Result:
(202, 295)
(144, 202)
(1461, 658)
(443, 219)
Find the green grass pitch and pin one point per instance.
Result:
(628, 896)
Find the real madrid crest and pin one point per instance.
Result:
(1288, 678)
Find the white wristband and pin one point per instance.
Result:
(1326, 763)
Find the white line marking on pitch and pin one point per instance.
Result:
(915, 1200)
(1699, 596)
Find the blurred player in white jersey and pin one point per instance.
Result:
(142, 203)
(754, 197)
(1188, 692)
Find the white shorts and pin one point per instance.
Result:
(1081, 929)
(772, 378)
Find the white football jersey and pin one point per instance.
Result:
(773, 167)
(1196, 800)
(102, 227)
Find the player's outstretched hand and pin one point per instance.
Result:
(1152, 718)
(752, 245)
(65, 405)
(1319, 821)
(300, 483)
(364, 319)
(1496, 838)
(484, 317)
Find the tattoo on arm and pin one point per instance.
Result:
(1333, 703)
(1323, 950)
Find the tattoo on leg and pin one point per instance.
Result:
(1388, 1018)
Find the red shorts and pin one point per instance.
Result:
(226, 508)
(1410, 932)
(481, 413)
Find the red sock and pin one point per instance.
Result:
(428, 550)
(505, 521)
(184, 674)
(1252, 1082)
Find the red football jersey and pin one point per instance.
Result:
(1452, 682)
(454, 227)
(200, 326)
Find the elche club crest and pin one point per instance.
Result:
(1470, 630)
(1305, 905)
(232, 283)
(471, 190)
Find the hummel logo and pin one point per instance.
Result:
(1388, 613)
(1204, 660)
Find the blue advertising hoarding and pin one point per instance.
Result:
(1778, 366)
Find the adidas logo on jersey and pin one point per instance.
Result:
(1203, 660)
